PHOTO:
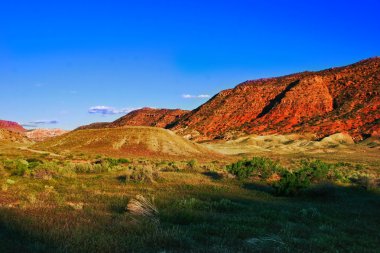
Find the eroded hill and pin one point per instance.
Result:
(41, 134)
(127, 142)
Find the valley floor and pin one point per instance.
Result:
(81, 203)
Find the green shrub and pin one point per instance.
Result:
(33, 162)
(291, 183)
(310, 173)
(257, 166)
(192, 164)
(317, 171)
(18, 167)
(114, 161)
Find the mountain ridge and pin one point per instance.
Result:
(338, 99)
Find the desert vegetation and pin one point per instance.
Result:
(94, 203)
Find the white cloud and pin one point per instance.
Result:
(107, 110)
(196, 96)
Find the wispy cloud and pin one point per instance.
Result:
(107, 110)
(40, 122)
(43, 122)
(196, 96)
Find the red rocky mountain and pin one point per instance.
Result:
(344, 99)
(149, 117)
(12, 126)
(143, 117)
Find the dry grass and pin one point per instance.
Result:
(141, 207)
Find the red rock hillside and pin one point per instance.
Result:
(142, 117)
(344, 99)
(12, 126)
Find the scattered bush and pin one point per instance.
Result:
(192, 164)
(114, 162)
(367, 182)
(291, 183)
(317, 171)
(18, 167)
(258, 166)
(143, 175)
(311, 172)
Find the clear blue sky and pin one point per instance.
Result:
(60, 58)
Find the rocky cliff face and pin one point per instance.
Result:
(345, 99)
(12, 126)
(42, 134)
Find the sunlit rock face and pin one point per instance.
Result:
(344, 99)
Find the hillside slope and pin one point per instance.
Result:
(344, 99)
(127, 141)
(7, 136)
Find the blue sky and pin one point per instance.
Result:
(61, 60)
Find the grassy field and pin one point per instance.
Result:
(89, 203)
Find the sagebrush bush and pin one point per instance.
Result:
(310, 173)
(317, 171)
(257, 166)
(144, 174)
(116, 161)
(291, 183)
(17, 167)
(192, 164)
